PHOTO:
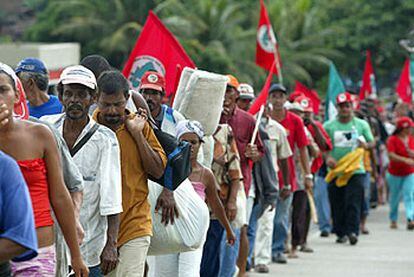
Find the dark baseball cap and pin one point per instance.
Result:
(31, 65)
(277, 87)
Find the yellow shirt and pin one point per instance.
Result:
(136, 216)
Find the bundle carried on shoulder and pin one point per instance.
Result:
(200, 96)
(188, 231)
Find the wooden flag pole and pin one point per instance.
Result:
(314, 214)
(279, 71)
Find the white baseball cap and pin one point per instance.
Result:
(78, 74)
(246, 91)
(293, 106)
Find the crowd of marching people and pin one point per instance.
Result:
(78, 171)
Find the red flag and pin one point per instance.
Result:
(404, 85)
(311, 94)
(262, 98)
(266, 43)
(368, 79)
(156, 49)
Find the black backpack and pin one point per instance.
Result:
(178, 158)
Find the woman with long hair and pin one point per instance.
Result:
(400, 176)
(187, 264)
(35, 150)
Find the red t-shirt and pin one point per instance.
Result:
(318, 161)
(295, 130)
(397, 146)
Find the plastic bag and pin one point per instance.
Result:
(241, 203)
(189, 228)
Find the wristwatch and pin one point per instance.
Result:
(287, 187)
(309, 176)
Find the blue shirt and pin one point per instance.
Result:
(16, 213)
(53, 106)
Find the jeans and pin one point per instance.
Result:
(228, 255)
(405, 186)
(367, 194)
(251, 232)
(281, 225)
(322, 204)
(346, 205)
(210, 262)
(95, 271)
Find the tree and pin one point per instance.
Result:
(104, 27)
(302, 40)
(213, 34)
(220, 35)
(369, 24)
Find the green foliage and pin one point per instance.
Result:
(369, 24)
(220, 35)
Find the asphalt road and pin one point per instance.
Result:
(384, 252)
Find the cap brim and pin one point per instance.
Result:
(77, 81)
(232, 86)
(246, 97)
(152, 86)
(275, 90)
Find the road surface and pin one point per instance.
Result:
(384, 252)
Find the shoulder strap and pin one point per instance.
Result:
(84, 140)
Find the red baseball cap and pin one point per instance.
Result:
(305, 103)
(294, 95)
(153, 80)
(344, 97)
(404, 122)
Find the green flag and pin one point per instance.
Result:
(411, 75)
(335, 87)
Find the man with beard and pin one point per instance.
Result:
(95, 151)
(152, 88)
(141, 155)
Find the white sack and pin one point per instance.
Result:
(200, 97)
(189, 228)
(182, 86)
